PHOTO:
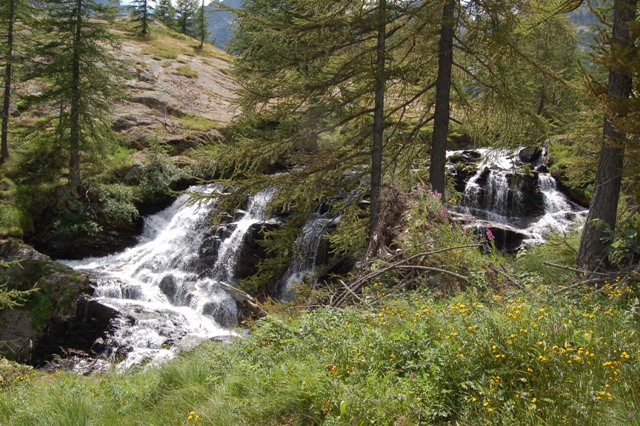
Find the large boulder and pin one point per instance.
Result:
(252, 252)
(59, 317)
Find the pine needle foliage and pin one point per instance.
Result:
(142, 14)
(77, 72)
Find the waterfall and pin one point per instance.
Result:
(163, 301)
(230, 248)
(308, 247)
(510, 192)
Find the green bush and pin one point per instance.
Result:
(116, 203)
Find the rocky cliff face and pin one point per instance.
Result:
(174, 90)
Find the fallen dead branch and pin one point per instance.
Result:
(359, 283)
(244, 298)
(507, 276)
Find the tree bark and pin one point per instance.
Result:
(437, 177)
(4, 151)
(601, 220)
(378, 130)
(145, 18)
(74, 115)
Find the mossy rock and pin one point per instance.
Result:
(58, 287)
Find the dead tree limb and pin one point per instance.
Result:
(429, 268)
(569, 268)
(507, 276)
(356, 285)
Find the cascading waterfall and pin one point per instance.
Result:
(307, 247)
(516, 196)
(230, 248)
(489, 190)
(163, 301)
(559, 214)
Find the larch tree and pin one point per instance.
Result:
(12, 14)
(185, 13)
(437, 176)
(313, 77)
(77, 72)
(142, 13)
(165, 12)
(201, 29)
(601, 220)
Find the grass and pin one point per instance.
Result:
(516, 358)
(186, 71)
(197, 123)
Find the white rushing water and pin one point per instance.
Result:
(494, 195)
(230, 248)
(305, 259)
(156, 287)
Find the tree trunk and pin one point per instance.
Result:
(74, 125)
(378, 130)
(602, 214)
(437, 176)
(145, 18)
(4, 155)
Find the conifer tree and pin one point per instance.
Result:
(601, 221)
(186, 11)
(78, 73)
(12, 13)
(165, 13)
(201, 29)
(143, 14)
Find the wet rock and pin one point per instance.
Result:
(75, 334)
(506, 238)
(220, 313)
(251, 252)
(531, 155)
(169, 287)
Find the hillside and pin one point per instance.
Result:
(172, 87)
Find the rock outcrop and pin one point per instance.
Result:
(58, 318)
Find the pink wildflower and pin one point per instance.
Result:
(490, 235)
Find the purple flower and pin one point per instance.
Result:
(490, 235)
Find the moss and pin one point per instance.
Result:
(42, 309)
(186, 71)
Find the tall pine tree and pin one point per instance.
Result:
(165, 13)
(201, 31)
(185, 13)
(601, 221)
(12, 14)
(142, 13)
(78, 72)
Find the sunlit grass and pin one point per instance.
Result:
(515, 358)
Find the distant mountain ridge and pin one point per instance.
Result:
(220, 22)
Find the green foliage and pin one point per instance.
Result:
(185, 12)
(560, 249)
(12, 298)
(142, 13)
(41, 307)
(116, 203)
(159, 173)
(165, 12)
(521, 358)
(77, 74)
(13, 220)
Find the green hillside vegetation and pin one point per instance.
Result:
(525, 357)
(432, 324)
(31, 187)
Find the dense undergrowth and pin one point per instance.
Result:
(518, 357)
